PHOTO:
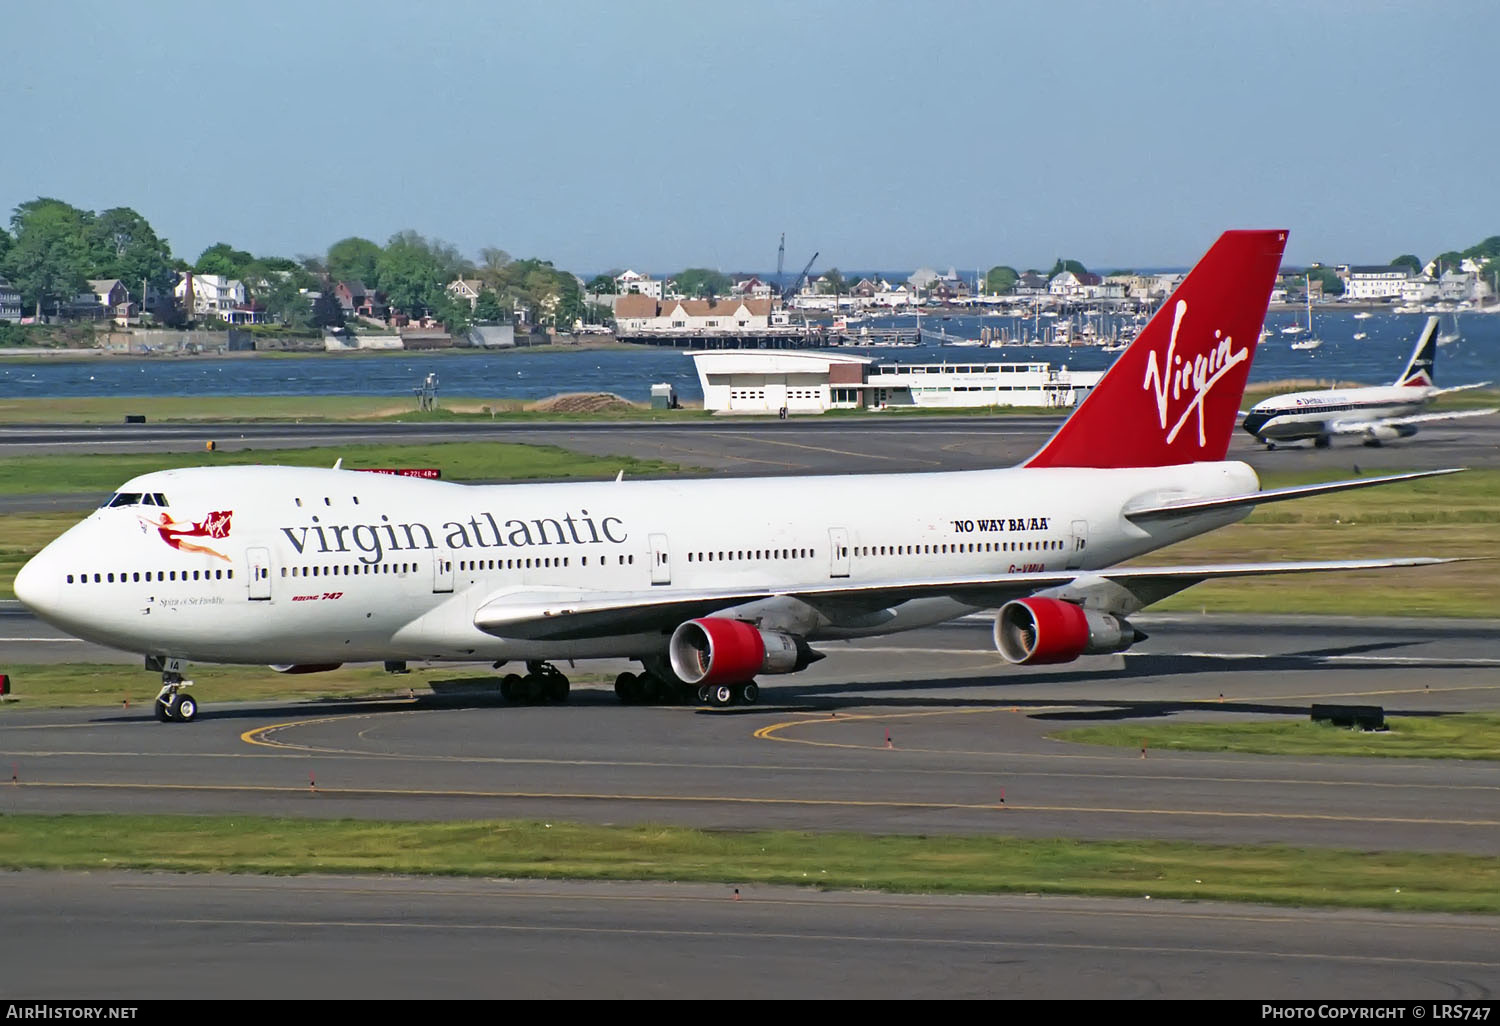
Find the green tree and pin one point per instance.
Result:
(701, 283)
(1408, 261)
(224, 260)
(50, 259)
(1486, 250)
(1000, 280)
(488, 308)
(602, 285)
(492, 258)
(326, 310)
(126, 247)
(5, 244)
(286, 302)
(354, 259)
(413, 271)
(1448, 261)
(1066, 265)
(1333, 285)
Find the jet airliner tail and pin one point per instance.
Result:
(1419, 368)
(1173, 395)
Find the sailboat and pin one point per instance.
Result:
(1311, 341)
(1449, 337)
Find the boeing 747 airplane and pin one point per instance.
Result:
(1373, 415)
(707, 583)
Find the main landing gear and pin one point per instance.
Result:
(173, 704)
(660, 686)
(543, 684)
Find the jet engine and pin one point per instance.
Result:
(716, 650)
(1033, 631)
(1377, 433)
(304, 667)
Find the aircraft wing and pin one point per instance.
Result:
(1359, 427)
(535, 614)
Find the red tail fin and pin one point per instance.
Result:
(1172, 396)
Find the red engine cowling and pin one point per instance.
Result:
(717, 650)
(304, 667)
(1035, 631)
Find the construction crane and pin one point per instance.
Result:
(791, 290)
(780, 259)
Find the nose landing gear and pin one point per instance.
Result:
(173, 703)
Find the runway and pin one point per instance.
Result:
(925, 732)
(968, 752)
(965, 730)
(133, 935)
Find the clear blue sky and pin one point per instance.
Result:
(666, 135)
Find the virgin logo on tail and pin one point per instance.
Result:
(1193, 359)
(1195, 377)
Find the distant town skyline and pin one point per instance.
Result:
(668, 135)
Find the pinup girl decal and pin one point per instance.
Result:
(215, 525)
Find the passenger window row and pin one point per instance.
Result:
(740, 554)
(950, 549)
(137, 576)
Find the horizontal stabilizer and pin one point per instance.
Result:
(1190, 506)
(1461, 388)
(1359, 427)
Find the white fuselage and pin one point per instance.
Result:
(1299, 415)
(326, 566)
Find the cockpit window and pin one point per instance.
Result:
(135, 499)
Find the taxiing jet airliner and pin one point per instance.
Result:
(707, 583)
(1374, 415)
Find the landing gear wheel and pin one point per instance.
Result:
(185, 709)
(534, 688)
(1322, 442)
(1270, 447)
(749, 692)
(557, 690)
(510, 687)
(173, 703)
(721, 696)
(625, 688)
(705, 694)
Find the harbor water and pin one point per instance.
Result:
(518, 374)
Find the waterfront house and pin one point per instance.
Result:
(638, 313)
(641, 284)
(1373, 282)
(356, 300)
(1030, 284)
(466, 290)
(10, 302)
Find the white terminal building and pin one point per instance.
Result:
(769, 380)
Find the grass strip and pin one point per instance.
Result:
(1456, 736)
(1452, 516)
(1406, 881)
(459, 461)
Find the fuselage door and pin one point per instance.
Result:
(661, 567)
(838, 552)
(258, 561)
(1077, 544)
(442, 570)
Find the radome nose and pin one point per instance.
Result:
(36, 585)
